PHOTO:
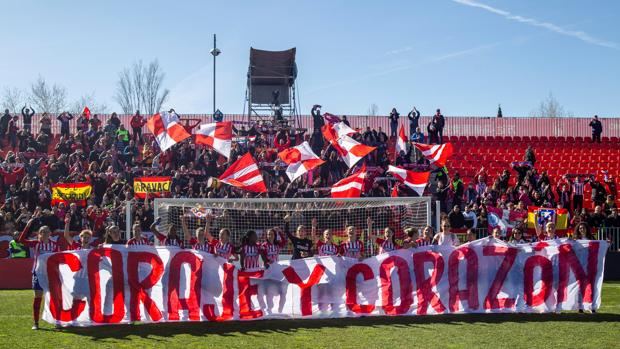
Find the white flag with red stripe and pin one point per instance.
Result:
(435, 153)
(244, 174)
(352, 186)
(401, 141)
(414, 180)
(300, 159)
(217, 135)
(167, 129)
(341, 129)
(352, 150)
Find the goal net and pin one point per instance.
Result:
(260, 215)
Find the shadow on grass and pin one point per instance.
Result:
(289, 326)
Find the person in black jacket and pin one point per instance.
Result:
(27, 117)
(597, 129)
(394, 116)
(440, 122)
(414, 120)
(317, 118)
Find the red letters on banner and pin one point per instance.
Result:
(546, 278)
(118, 286)
(470, 293)
(228, 297)
(192, 303)
(246, 291)
(569, 260)
(55, 286)
(387, 289)
(351, 288)
(153, 282)
(510, 254)
(138, 288)
(306, 288)
(425, 285)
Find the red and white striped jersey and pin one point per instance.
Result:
(41, 248)
(138, 242)
(352, 249)
(271, 251)
(423, 242)
(386, 245)
(326, 248)
(251, 256)
(204, 247)
(224, 250)
(172, 242)
(76, 246)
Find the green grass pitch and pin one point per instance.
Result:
(566, 330)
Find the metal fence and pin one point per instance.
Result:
(612, 235)
(455, 125)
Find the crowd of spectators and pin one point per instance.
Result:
(109, 156)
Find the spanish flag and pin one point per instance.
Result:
(71, 193)
(154, 186)
(540, 216)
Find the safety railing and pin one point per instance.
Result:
(454, 126)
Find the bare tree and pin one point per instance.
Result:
(373, 110)
(88, 100)
(550, 108)
(46, 98)
(140, 88)
(13, 99)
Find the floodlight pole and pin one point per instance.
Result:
(214, 52)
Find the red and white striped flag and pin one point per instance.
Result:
(401, 142)
(217, 135)
(353, 150)
(244, 174)
(167, 129)
(435, 153)
(341, 129)
(352, 186)
(300, 159)
(414, 180)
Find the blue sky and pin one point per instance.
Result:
(463, 56)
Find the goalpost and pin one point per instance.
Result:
(241, 215)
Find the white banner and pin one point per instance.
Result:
(115, 284)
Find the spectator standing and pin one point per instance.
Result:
(4, 122)
(137, 121)
(46, 125)
(394, 116)
(431, 129)
(440, 124)
(456, 218)
(317, 118)
(530, 156)
(414, 121)
(64, 119)
(597, 129)
(27, 115)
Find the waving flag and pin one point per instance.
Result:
(437, 154)
(331, 136)
(341, 129)
(540, 216)
(353, 150)
(504, 219)
(300, 159)
(167, 129)
(86, 113)
(71, 192)
(350, 187)
(244, 174)
(331, 118)
(217, 135)
(414, 180)
(401, 142)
